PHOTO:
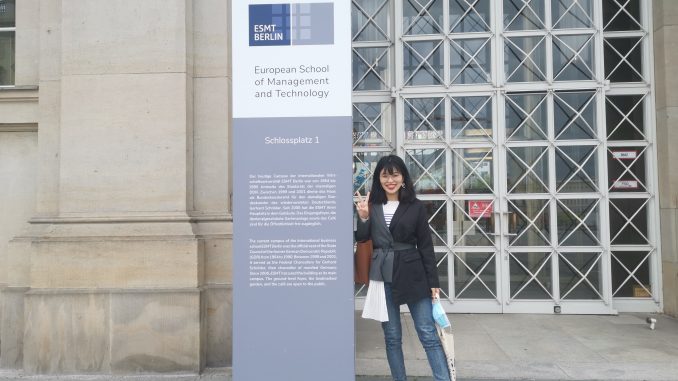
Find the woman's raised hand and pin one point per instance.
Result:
(362, 206)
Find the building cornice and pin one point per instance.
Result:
(18, 93)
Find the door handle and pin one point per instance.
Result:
(510, 219)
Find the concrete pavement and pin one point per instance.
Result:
(537, 347)
(501, 348)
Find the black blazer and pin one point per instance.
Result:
(414, 270)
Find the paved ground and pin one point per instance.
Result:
(387, 378)
(503, 348)
(538, 347)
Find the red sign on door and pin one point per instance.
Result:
(480, 208)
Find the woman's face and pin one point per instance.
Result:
(391, 183)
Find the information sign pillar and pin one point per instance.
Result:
(292, 255)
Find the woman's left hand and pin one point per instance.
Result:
(435, 293)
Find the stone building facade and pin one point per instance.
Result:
(115, 224)
(116, 229)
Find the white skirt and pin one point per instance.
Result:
(375, 302)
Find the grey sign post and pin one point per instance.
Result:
(292, 254)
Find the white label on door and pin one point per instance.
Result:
(625, 155)
(625, 184)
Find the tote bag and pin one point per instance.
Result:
(447, 341)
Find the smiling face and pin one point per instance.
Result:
(391, 182)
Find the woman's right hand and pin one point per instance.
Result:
(362, 206)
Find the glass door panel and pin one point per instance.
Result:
(475, 275)
(527, 169)
(631, 274)
(473, 223)
(581, 276)
(472, 168)
(531, 275)
(471, 118)
(529, 222)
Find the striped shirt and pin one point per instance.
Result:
(389, 210)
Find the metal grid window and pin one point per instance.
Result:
(630, 152)
(527, 128)
(7, 42)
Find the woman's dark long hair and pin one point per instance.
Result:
(391, 164)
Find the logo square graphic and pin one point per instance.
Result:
(269, 24)
(291, 24)
(313, 24)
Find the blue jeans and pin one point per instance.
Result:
(422, 315)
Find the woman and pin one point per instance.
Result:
(404, 260)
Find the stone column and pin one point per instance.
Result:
(112, 265)
(211, 206)
(666, 80)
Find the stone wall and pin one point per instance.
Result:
(125, 264)
(666, 79)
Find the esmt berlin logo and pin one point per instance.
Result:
(291, 24)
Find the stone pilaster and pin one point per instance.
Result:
(666, 79)
(212, 185)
